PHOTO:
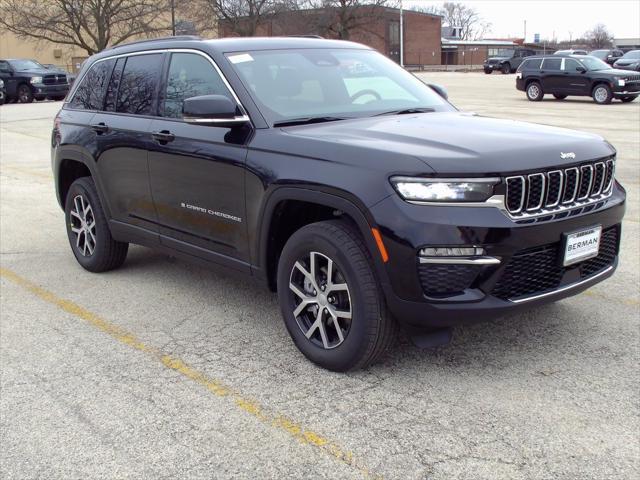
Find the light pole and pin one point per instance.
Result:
(401, 36)
(173, 18)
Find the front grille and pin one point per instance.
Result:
(446, 279)
(556, 190)
(59, 79)
(539, 270)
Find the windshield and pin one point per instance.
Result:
(345, 83)
(21, 65)
(504, 52)
(593, 63)
(632, 55)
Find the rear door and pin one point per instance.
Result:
(197, 171)
(575, 82)
(551, 75)
(122, 138)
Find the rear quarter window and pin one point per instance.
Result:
(90, 93)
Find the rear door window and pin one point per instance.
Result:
(532, 64)
(138, 89)
(90, 93)
(551, 63)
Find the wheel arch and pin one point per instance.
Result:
(318, 206)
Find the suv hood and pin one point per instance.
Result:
(36, 72)
(613, 72)
(453, 143)
(498, 59)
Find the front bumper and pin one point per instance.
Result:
(406, 228)
(41, 91)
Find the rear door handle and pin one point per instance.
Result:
(100, 128)
(163, 137)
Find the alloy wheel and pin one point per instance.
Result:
(322, 300)
(534, 91)
(23, 94)
(601, 94)
(83, 226)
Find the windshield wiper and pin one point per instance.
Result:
(306, 121)
(405, 111)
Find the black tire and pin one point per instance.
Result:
(602, 94)
(58, 98)
(628, 99)
(505, 69)
(559, 97)
(25, 95)
(534, 92)
(371, 329)
(488, 71)
(107, 253)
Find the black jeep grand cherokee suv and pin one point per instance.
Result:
(336, 178)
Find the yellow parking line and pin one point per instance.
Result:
(217, 388)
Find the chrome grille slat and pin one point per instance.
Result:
(554, 191)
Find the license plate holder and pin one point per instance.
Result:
(581, 245)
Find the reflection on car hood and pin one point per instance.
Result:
(455, 142)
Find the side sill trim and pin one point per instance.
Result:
(562, 289)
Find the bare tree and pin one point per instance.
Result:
(244, 17)
(339, 18)
(472, 26)
(598, 37)
(89, 24)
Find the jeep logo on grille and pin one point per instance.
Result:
(564, 155)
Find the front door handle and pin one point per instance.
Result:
(163, 137)
(100, 128)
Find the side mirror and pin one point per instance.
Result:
(581, 69)
(213, 110)
(439, 89)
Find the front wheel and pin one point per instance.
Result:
(506, 69)
(488, 71)
(88, 230)
(534, 92)
(25, 95)
(628, 99)
(330, 299)
(602, 94)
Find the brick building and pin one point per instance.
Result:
(380, 30)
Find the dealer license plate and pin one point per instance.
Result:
(582, 245)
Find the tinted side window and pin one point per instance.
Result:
(571, 65)
(552, 63)
(4, 66)
(90, 93)
(138, 89)
(114, 83)
(532, 64)
(190, 75)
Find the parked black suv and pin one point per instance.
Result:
(26, 80)
(580, 75)
(507, 60)
(336, 178)
(607, 55)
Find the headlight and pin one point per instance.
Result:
(36, 80)
(444, 189)
(1, 83)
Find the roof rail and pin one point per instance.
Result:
(159, 39)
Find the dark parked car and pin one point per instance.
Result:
(607, 55)
(579, 75)
(26, 80)
(336, 178)
(629, 61)
(507, 60)
(3, 94)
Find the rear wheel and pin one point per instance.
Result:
(534, 92)
(602, 94)
(330, 299)
(88, 230)
(25, 95)
(628, 99)
(506, 68)
(559, 97)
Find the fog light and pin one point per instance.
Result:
(451, 251)
(621, 82)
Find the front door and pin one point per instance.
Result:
(393, 41)
(576, 82)
(197, 172)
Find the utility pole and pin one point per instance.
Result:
(401, 36)
(525, 31)
(173, 17)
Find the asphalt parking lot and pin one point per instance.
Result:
(165, 370)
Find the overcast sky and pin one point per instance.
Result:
(562, 18)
